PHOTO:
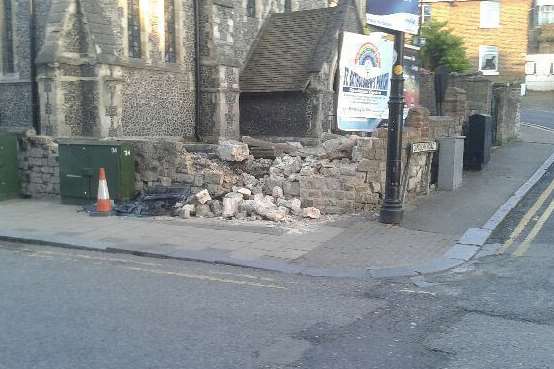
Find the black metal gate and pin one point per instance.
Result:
(494, 114)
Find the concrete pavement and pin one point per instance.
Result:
(341, 246)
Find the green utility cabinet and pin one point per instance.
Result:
(80, 161)
(9, 177)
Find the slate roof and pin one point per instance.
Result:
(290, 47)
(99, 26)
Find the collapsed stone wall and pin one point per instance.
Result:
(166, 163)
(345, 174)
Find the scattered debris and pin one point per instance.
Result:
(156, 201)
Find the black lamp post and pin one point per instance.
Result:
(392, 211)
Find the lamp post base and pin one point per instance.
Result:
(391, 214)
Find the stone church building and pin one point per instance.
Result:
(156, 68)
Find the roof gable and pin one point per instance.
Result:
(291, 47)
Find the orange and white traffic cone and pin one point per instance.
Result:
(103, 202)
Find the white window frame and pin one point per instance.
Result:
(490, 14)
(542, 10)
(423, 15)
(488, 50)
(531, 68)
(3, 73)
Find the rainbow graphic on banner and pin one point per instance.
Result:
(368, 55)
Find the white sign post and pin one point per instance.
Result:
(365, 75)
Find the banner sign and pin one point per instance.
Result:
(365, 72)
(399, 15)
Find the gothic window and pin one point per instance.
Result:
(288, 6)
(8, 65)
(170, 40)
(134, 28)
(251, 8)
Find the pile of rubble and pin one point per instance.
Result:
(246, 203)
(265, 189)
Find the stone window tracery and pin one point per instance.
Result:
(251, 8)
(134, 28)
(7, 51)
(288, 6)
(170, 38)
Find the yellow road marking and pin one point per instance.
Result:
(526, 244)
(527, 218)
(242, 275)
(88, 257)
(206, 278)
(100, 260)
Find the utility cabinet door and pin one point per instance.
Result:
(9, 178)
(107, 157)
(127, 173)
(76, 174)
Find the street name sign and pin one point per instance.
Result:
(428, 146)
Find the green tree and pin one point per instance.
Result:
(442, 47)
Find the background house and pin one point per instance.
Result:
(540, 61)
(494, 32)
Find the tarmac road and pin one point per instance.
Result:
(74, 309)
(538, 109)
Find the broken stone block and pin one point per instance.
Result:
(216, 207)
(273, 181)
(291, 188)
(276, 215)
(230, 150)
(202, 197)
(283, 209)
(231, 206)
(249, 181)
(258, 167)
(339, 147)
(311, 212)
(213, 178)
(203, 211)
(296, 206)
(277, 192)
(245, 192)
(236, 195)
(259, 197)
(186, 211)
(248, 206)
